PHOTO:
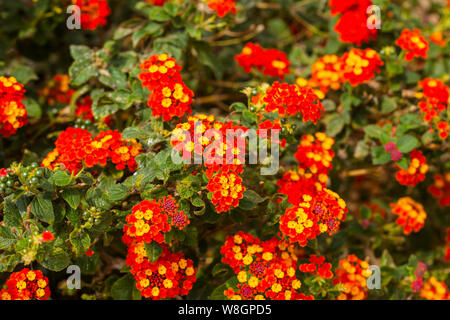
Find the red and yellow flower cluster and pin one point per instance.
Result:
(352, 273)
(416, 172)
(270, 62)
(264, 269)
(352, 25)
(222, 7)
(295, 184)
(290, 99)
(26, 285)
(314, 155)
(411, 214)
(359, 66)
(75, 147)
(151, 220)
(436, 96)
(93, 13)
(355, 66)
(414, 43)
(13, 114)
(319, 211)
(157, 2)
(223, 159)
(441, 189)
(435, 290)
(169, 95)
(318, 266)
(57, 91)
(171, 275)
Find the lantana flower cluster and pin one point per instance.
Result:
(171, 275)
(317, 266)
(314, 154)
(411, 214)
(352, 273)
(440, 189)
(319, 212)
(26, 284)
(416, 171)
(356, 66)
(434, 289)
(202, 136)
(75, 148)
(222, 7)
(57, 90)
(169, 95)
(414, 43)
(93, 13)
(271, 62)
(13, 114)
(352, 24)
(291, 100)
(264, 269)
(151, 220)
(436, 97)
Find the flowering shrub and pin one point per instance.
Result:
(222, 149)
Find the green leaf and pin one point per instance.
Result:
(124, 288)
(33, 108)
(80, 241)
(118, 192)
(61, 178)
(12, 215)
(7, 238)
(159, 14)
(380, 156)
(153, 250)
(185, 191)
(149, 29)
(42, 208)
(171, 8)
(23, 74)
(56, 260)
(335, 125)
(238, 106)
(134, 133)
(72, 197)
(388, 104)
(407, 143)
(373, 131)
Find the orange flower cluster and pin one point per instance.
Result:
(75, 147)
(222, 7)
(170, 276)
(271, 62)
(411, 215)
(359, 66)
(320, 211)
(227, 190)
(169, 96)
(13, 114)
(26, 285)
(413, 43)
(205, 137)
(270, 125)
(318, 266)
(352, 273)
(443, 128)
(441, 189)
(151, 220)
(296, 183)
(291, 100)
(314, 154)
(264, 269)
(58, 90)
(435, 290)
(93, 13)
(352, 25)
(416, 172)
(436, 96)
(326, 73)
